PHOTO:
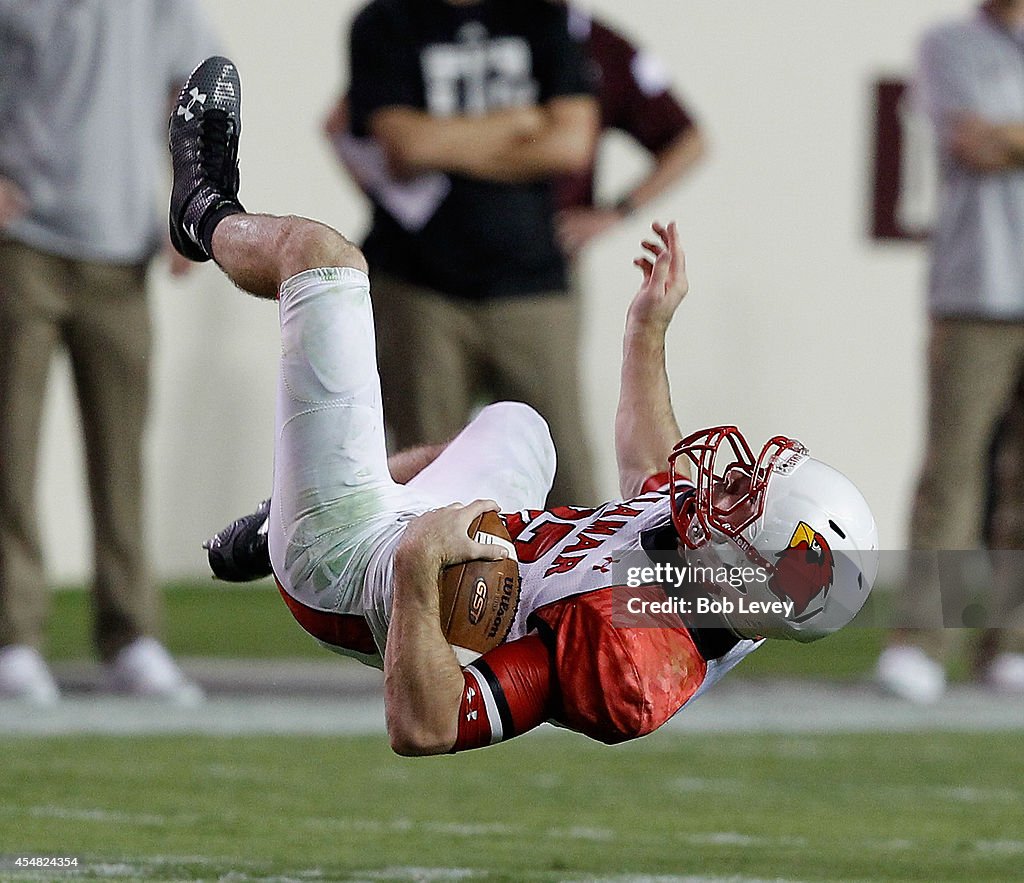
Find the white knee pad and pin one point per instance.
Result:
(505, 454)
(520, 433)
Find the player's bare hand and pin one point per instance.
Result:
(13, 202)
(440, 538)
(664, 284)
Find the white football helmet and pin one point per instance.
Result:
(797, 529)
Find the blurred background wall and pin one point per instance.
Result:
(797, 321)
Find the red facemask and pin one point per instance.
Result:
(696, 516)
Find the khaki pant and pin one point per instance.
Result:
(441, 357)
(971, 490)
(98, 314)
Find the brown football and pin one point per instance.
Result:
(479, 599)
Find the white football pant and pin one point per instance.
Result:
(336, 515)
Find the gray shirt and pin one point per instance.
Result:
(85, 92)
(977, 269)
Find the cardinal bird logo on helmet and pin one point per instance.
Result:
(804, 570)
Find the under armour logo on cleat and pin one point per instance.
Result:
(195, 96)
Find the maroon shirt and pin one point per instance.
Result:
(653, 116)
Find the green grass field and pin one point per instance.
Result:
(672, 808)
(548, 807)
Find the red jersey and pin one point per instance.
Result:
(566, 660)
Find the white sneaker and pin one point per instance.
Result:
(24, 675)
(144, 668)
(1006, 673)
(910, 673)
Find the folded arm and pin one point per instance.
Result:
(987, 147)
(563, 144)
(951, 86)
(645, 424)
(506, 146)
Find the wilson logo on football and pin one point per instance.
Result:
(478, 602)
(508, 589)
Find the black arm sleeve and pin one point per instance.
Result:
(559, 60)
(383, 65)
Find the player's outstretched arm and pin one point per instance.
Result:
(423, 683)
(645, 424)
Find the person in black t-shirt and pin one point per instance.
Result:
(473, 108)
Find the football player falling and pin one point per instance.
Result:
(774, 545)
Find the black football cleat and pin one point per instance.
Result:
(239, 553)
(203, 138)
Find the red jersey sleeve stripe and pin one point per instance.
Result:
(509, 690)
(498, 713)
(475, 714)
